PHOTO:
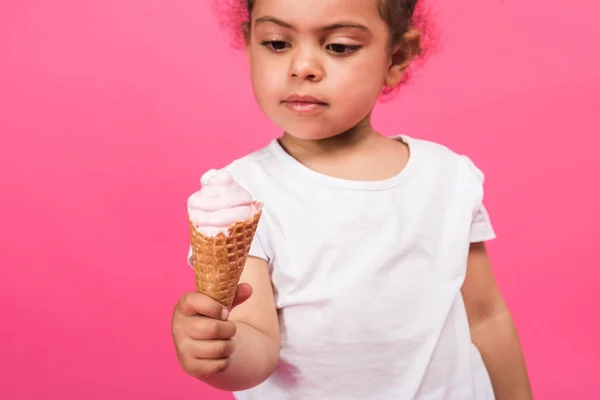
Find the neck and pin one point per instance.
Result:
(339, 144)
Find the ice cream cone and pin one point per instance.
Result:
(219, 260)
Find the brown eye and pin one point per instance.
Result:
(275, 45)
(342, 49)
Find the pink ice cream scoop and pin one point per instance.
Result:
(219, 204)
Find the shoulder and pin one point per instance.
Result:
(442, 166)
(254, 171)
(446, 160)
(254, 159)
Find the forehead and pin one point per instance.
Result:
(316, 13)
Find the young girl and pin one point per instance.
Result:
(368, 276)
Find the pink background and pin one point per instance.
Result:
(111, 109)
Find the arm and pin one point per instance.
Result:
(493, 330)
(257, 336)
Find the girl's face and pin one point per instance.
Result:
(318, 66)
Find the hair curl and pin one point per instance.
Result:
(400, 16)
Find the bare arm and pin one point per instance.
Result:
(257, 337)
(493, 330)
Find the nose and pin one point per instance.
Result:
(307, 67)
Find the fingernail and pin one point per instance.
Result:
(224, 314)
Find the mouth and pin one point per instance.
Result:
(304, 104)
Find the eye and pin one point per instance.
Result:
(342, 49)
(275, 45)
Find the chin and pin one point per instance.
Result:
(309, 132)
(312, 128)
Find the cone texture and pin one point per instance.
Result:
(219, 261)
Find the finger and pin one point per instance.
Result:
(212, 349)
(204, 328)
(206, 368)
(244, 291)
(194, 303)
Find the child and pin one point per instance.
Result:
(368, 276)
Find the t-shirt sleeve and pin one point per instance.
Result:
(481, 224)
(481, 227)
(256, 248)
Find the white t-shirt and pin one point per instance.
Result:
(367, 277)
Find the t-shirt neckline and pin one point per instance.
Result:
(291, 164)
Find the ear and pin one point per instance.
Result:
(403, 53)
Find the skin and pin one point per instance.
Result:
(304, 48)
(493, 330)
(307, 59)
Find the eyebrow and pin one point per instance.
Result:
(327, 28)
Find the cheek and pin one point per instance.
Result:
(370, 70)
(266, 79)
(361, 83)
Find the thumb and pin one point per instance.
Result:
(244, 291)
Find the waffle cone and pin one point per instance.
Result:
(219, 261)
